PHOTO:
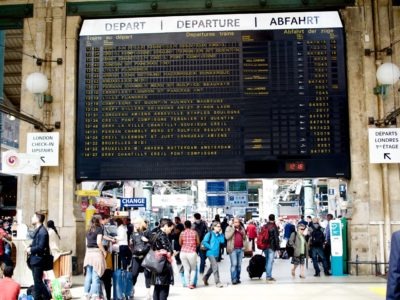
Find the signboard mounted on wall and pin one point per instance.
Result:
(45, 145)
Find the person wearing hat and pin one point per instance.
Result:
(299, 243)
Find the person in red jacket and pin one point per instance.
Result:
(251, 231)
(9, 288)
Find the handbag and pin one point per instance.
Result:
(48, 262)
(154, 262)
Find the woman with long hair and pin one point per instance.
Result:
(125, 254)
(94, 261)
(139, 244)
(161, 242)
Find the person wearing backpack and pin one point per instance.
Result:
(298, 241)
(201, 228)
(316, 242)
(212, 242)
(268, 241)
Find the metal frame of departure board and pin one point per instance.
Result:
(213, 96)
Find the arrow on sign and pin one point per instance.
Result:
(42, 159)
(386, 155)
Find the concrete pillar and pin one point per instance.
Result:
(309, 205)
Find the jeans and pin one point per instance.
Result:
(189, 262)
(40, 290)
(92, 282)
(203, 258)
(136, 265)
(161, 292)
(318, 251)
(213, 269)
(269, 255)
(236, 264)
(125, 256)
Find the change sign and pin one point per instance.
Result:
(384, 145)
(133, 202)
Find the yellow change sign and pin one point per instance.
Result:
(88, 193)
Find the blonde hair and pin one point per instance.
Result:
(140, 224)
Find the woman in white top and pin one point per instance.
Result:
(59, 268)
(125, 254)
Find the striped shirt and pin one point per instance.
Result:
(188, 240)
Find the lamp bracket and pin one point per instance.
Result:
(390, 119)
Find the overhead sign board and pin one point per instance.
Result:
(237, 186)
(45, 145)
(384, 145)
(216, 186)
(88, 193)
(215, 200)
(133, 202)
(20, 163)
(212, 97)
(238, 199)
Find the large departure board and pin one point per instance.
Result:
(221, 96)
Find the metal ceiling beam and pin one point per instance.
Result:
(124, 8)
(12, 16)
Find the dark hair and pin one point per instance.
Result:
(40, 216)
(50, 224)
(271, 217)
(94, 224)
(197, 216)
(8, 271)
(104, 216)
(164, 222)
(177, 219)
(119, 221)
(188, 224)
(329, 216)
(217, 218)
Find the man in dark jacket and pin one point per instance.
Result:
(393, 280)
(273, 246)
(39, 246)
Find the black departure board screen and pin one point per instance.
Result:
(227, 96)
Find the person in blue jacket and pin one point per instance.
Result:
(393, 279)
(212, 242)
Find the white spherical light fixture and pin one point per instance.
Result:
(388, 74)
(37, 84)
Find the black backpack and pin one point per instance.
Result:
(317, 238)
(201, 229)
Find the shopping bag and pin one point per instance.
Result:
(154, 262)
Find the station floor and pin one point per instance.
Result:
(284, 288)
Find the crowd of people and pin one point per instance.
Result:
(182, 243)
(197, 240)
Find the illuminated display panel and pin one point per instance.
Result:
(232, 96)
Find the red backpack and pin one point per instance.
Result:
(263, 238)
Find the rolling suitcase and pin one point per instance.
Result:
(122, 285)
(256, 266)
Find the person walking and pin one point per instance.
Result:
(163, 280)
(38, 248)
(272, 245)
(189, 241)
(140, 245)
(393, 279)
(251, 231)
(9, 288)
(4, 240)
(125, 254)
(316, 243)
(298, 241)
(201, 228)
(235, 235)
(212, 241)
(94, 260)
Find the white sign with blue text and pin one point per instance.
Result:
(133, 202)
